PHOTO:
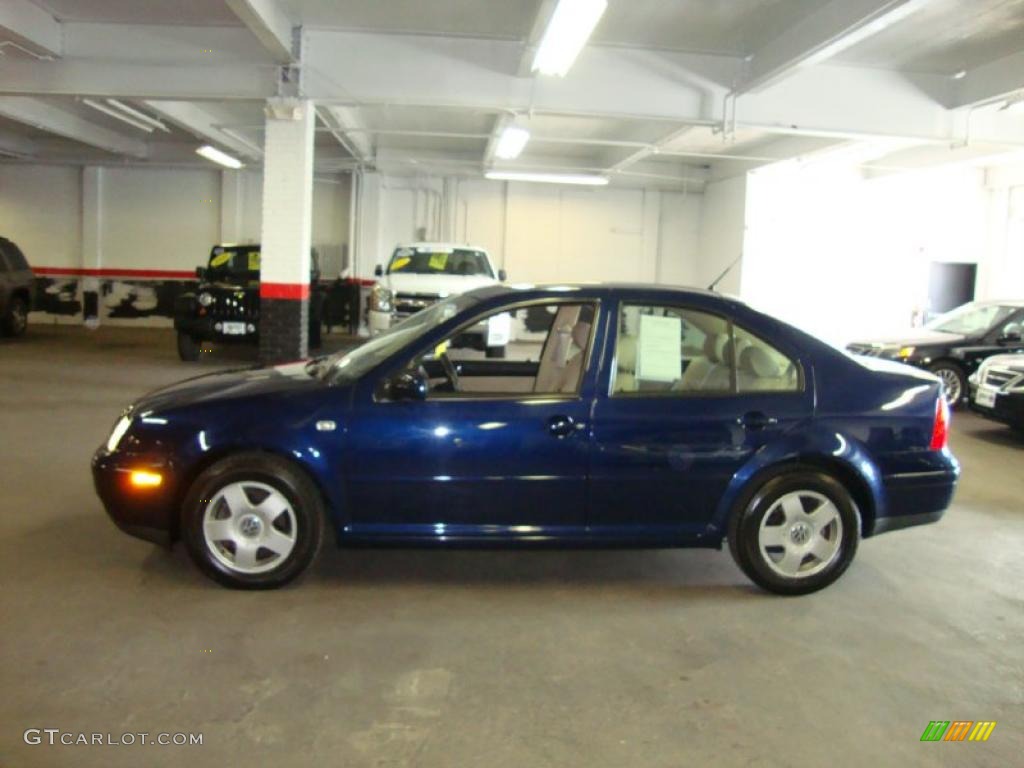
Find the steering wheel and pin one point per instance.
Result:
(450, 371)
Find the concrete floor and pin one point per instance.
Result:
(393, 658)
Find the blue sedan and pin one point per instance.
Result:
(627, 416)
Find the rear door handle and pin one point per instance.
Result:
(756, 420)
(561, 426)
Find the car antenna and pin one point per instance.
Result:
(727, 270)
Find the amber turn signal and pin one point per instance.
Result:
(140, 478)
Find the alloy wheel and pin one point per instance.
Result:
(801, 535)
(249, 527)
(952, 390)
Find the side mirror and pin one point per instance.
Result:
(378, 271)
(502, 275)
(409, 385)
(200, 272)
(1011, 334)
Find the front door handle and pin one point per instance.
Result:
(755, 420)
(561, 426)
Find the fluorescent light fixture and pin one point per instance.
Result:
(511, 142)
(132, 112)
(221, 158)
(870, 29)
(118, 115)
(548, 178)
(571, 25)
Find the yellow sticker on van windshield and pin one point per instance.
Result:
(437, 261)
(254, 261)
(220, 259)
(440, 349)
(397, 264)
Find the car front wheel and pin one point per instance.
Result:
(188, 348)
(16, 322)
(253, 521)
(797, 533)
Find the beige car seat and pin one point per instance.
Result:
(557, 350)
(703, 372)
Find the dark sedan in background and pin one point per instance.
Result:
(631, 416)
(953, 345)
(997, 390)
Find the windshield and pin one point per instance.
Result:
(970, 319)
(350, 365)
(236, 262)
(439, 261)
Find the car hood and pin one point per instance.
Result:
(1015, 362)
(230, 385)
(440, 285)
(913, 337)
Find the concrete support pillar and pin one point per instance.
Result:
(369, 251)
(287, 230)
(92, 243)
(231, 204)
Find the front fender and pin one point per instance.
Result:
(841, 454)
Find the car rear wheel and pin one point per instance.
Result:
(797, 533)
(16, 322)
(188, 348)
(253, 521)
(954, 383)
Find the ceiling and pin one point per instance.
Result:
(445, 106)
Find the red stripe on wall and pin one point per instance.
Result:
(284, 291)
(151, 274)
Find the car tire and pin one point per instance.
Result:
(15, 323)
(780, 540)
(188, 347)
(253, 521)
(953, 378)
(495, 352)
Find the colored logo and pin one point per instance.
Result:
(958, 730)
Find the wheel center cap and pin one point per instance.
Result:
(250, 526)
(800, 533)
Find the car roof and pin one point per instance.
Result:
(437, 244)
(606, 289)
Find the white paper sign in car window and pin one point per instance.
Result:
(657, 353)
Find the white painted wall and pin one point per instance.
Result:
(544, 232)
(152, 218)
(722, 235)
(845, 257)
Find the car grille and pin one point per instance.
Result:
(1000, 377)
(411, 303)
(235, 306)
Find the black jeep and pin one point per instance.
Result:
(16, 288)
(225, 306)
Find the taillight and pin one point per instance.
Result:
(940, 429)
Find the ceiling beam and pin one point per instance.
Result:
(117, 80)
(29, 27)
(60, 122)
(348, 129)
(269, 23)
(820, 35)
(197, 121)
(17, 146)
(828, 100)
(990, 82)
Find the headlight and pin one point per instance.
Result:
(204, 299)
(905, 352)
(380, 299)
(119, 431)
